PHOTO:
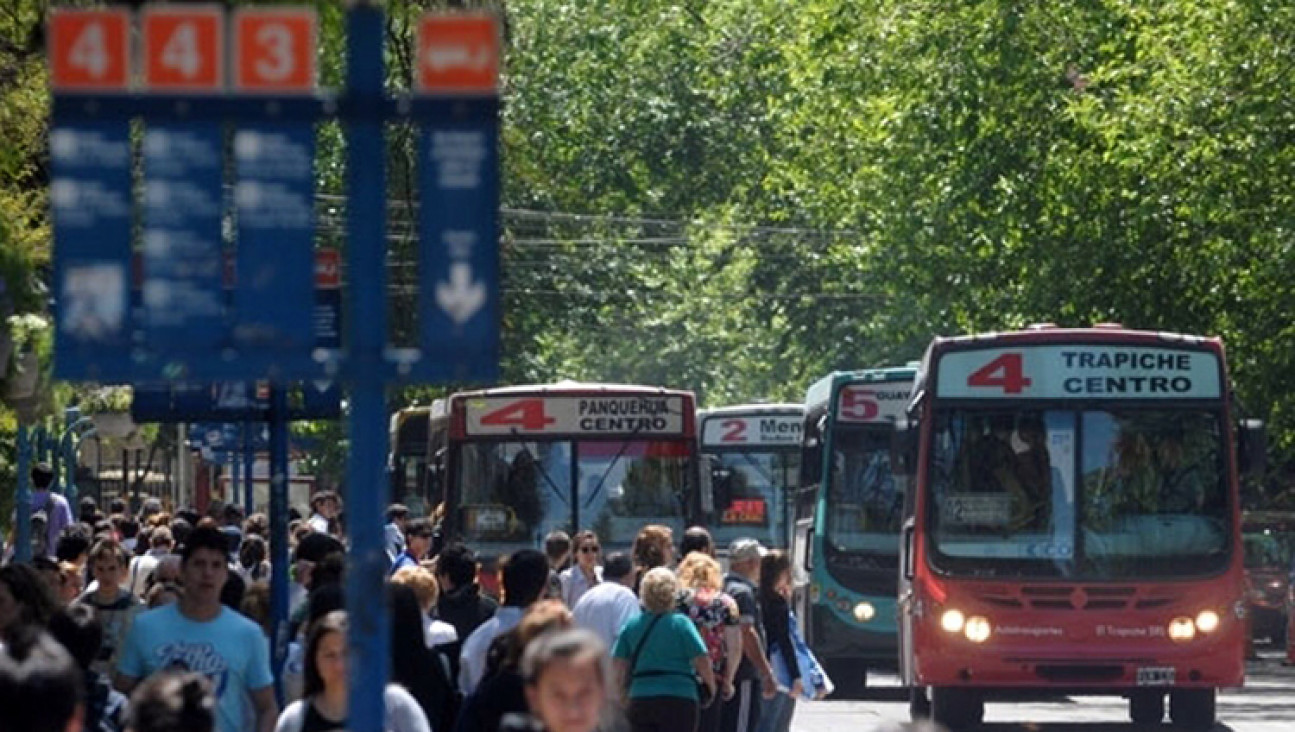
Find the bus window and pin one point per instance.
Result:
(865, 498)
(513, 492)
(625, 485)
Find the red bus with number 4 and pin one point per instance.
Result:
(512, 464)
(1075, 524)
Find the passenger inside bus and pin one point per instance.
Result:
(1032, 511)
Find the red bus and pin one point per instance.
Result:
(512, 464)
(1075, 524)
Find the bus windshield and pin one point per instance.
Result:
(513, 493)
(865, 499)
(1098, 494)
(750, 494)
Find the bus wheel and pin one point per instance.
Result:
(1146, 707)
(919, 706)
(956, 708)
(1192, 708)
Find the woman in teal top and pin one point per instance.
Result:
(661, 654)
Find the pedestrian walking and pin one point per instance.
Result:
(585, 572)
(715, 615)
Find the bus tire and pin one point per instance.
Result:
(1193, 709)
(1146, 707)
(919, 706)
(956, 709)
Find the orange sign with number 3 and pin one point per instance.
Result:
(184, 48)
(274, 49)
(89, 49)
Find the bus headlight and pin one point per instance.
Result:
(864, 611)
(952, 621)
(977, 629)
(1182, 629)
(1207, 621)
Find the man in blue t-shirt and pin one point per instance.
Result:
(199, 634)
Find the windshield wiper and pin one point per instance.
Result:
(624, 446)
(557, 491)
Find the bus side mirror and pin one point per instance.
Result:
(811, 461)
(1252, 447)
(705, 483)
(906, 440)
(907, 548)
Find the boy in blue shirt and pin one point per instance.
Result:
(199, 634)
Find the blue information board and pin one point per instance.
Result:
(459, 307)
(183, 303)
(91, 205)
(274, 290)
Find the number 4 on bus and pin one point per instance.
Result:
(1005, 372)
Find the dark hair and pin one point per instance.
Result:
(173, 701)
(42, 475)
(116, 505)
(204, 537)
(458, 563)
(189, 515)
(695, 539)
(412, 662)
(772, 565)
(79, 630)
(109, 548)
(129, 527)
(40, 685)
(617, 565)
(526, 574)
(556, 545)
(252, 552)
(88, 507)
(322, 496)
(331, 570)
(419, 527)
(333, 622)
(232, 514)
(36, 604)
(44, 564)
(180, 529)
(397, 511)
(231, 593)
(582, 537)
(73, 541)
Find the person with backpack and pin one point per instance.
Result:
(50, 512)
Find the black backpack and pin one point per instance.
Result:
(40, 528)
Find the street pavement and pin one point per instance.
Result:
(1265, 704)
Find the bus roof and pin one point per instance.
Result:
(571, 388)
(751, 410)
(820, 392)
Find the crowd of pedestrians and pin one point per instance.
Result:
(172, 609)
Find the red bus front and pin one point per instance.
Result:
(1076, 525)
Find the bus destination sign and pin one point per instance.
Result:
(879, 402)
(1079, 372)
(624, 415)
(761, 430)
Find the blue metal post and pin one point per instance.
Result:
(366, 329)
(22, 512)
(235, 474)
(279, 531)
(249, 465)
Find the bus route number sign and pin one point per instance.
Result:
(89, 49)
(274, 49)
(184, 48)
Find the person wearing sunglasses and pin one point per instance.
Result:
(586, 572)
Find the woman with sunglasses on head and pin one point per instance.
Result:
(586, 572)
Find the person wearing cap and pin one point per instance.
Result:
(326, 505)
(754, 678)
(310, 551)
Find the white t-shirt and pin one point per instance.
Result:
(438, 633)
(605, 609)
(403, 713)
(472, 661)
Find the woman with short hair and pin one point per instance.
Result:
(658, 657)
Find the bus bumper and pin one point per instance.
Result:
(834, 638)
(1211, 662)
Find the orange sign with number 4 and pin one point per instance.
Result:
(184, 48)
(274, 49)
(89, 49)
(457, 54)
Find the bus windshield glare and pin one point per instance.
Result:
(513, 493)
(1097, 494)
(865, 498)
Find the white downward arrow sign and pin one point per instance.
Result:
(460, 298)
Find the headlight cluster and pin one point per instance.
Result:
(976, 628)
(864, 611)
(1182, 629)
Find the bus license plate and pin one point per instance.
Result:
(1156, 676)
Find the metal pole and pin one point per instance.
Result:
(235, 474)
(366, 328)
(22, 511)
(279, 532)
(71, 418)
(249, 463)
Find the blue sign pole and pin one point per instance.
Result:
(22, 511)
(249, 465)
(279, 531)
(366, 328)
(235, 470)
